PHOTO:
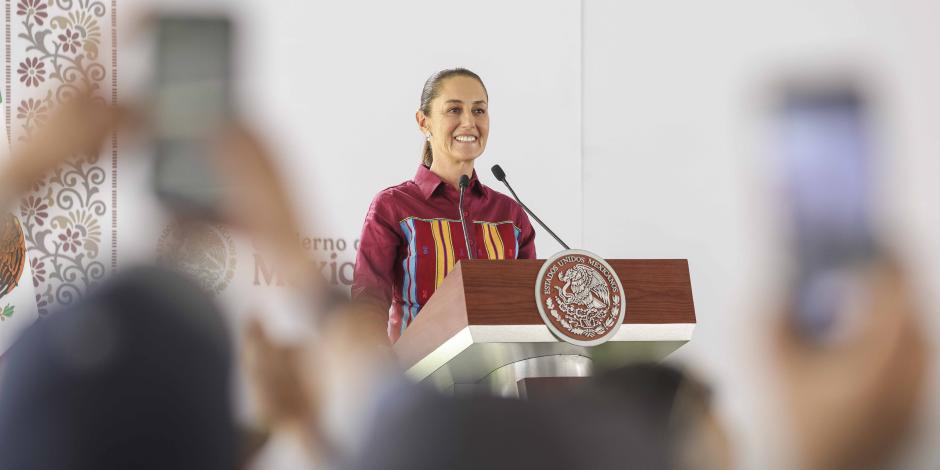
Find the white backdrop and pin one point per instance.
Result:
(337, 84)
(334, 87)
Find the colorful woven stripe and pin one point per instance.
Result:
(434, 248)
(493, 236)
(409, 295)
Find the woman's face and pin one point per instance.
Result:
(459, 122)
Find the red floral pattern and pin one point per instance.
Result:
(32, 110)
(69, 41)
(33, 8)
(56, 44)
(32, 71)
(71, 240)
(34, 210)
(39, 271)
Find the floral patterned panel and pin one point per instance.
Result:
(53, 47)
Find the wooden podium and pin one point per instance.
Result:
(482, 328)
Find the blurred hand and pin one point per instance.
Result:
(77, 127)
(354, 362)
(259, 203)
(276, 374)
(256, 202)
(320, 392)
(852, 402)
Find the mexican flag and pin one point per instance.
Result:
(17, 293)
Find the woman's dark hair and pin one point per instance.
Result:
(431, 90)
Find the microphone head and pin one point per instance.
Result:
(464, 181)
(498, 173)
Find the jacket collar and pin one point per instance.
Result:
(428, 182)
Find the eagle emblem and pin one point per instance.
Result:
(206, 252)
(584, 296)
(12, 258)
(580, 297)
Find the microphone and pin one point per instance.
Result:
(464, 182)
(501, 176)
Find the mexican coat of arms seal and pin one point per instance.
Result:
(580, 298)
(206, 252)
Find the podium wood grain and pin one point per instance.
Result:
(485, 292)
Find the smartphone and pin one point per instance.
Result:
(192, 102)
(825, 152)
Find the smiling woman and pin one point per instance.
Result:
(464, 90)
(412, 236)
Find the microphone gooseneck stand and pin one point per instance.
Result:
(464, 182)
(501, 176)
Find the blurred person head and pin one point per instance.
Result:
(645, 416)
(135, 375)
(453, 116)
(698, 434)
(672, 423)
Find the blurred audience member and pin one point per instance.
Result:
(135, 375)
(852, 402)
(641, 416)
(675, 405)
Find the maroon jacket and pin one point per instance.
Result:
(412, 238)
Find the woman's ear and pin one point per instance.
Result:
(424, 123)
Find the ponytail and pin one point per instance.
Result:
(426, 157)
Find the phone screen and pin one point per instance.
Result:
(191, 102)
(825, 151)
